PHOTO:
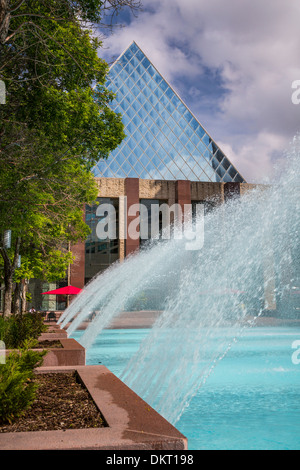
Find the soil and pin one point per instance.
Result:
(46, 344)
(62, 403)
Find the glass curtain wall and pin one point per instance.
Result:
(152, 228)
(164, 139)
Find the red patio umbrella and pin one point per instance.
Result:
(68, 290)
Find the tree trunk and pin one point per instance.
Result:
(8, 296)
(17, 299)
(24, 291)
(9, 271)
(4, 20)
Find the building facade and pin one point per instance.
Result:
(165, 141)
(167, 157)
(101, 253)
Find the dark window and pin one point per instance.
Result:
(100, 254)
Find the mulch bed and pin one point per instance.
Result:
(62, 403)
(46, 344)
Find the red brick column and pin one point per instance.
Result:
(183, 193)
(231, 190)
(132, 192)
(77, 269)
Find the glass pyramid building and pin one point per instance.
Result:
(164, 139)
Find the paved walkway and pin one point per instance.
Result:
(146, 319)
(131, 320)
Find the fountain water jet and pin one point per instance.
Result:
(249, 263)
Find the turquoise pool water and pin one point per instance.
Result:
(251, 401)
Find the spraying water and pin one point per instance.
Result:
(248, 266)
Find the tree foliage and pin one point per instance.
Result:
(56, 124)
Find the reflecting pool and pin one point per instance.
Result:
(250, 401)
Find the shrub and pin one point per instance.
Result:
(16, 330)
(17, 385)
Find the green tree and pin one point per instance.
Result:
(100, 12)
(56, 125)
(50, 266)
(44, 210)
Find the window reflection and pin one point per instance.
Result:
(100, 253)
(166, 128)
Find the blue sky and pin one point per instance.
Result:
(232, 62)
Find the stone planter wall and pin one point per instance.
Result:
(71, 354)
(53, 335)
(132, 423)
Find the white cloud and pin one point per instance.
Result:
(248, 157)
(253, 47)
